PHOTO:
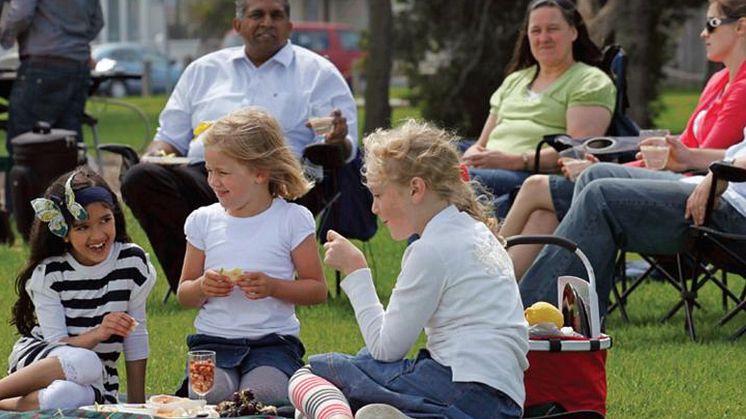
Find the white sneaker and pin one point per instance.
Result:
(380, 411)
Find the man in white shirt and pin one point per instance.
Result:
(638, 210)
(268, 72)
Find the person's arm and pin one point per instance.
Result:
(587, 121)
(16, 18)
(97, 21)
(332, 88)
(196, 285)
(308, 288)
(159, 147)
(136, 380)
(389, 334)
(682, 158)
(696, 204)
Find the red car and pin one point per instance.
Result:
(338, 42)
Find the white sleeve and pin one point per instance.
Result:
(193, 229)
(136, 344)
(390, 334)
(301, 225)
(175, 121)
(49, 310)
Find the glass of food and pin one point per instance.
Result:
(655, 152)
(201, 372)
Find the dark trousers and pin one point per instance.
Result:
(51, 90)
(161, 198)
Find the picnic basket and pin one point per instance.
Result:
(566, 374)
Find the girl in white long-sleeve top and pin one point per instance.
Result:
(456, 283)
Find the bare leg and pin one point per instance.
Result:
(31, 378)
(21, 404)
(533, 195)
(539, 222)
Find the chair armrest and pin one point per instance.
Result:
(721, 170)
(329, 156)
(727, 171)
(129, 155)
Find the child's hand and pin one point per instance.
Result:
(214, 284)
(256, 285)
(118, 323)
(342, 255)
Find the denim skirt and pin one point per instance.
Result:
(420, 387)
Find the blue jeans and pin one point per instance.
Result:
(52, 92)
(421, 387)
(499, 181)
(617, 207)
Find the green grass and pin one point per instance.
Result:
(653, 369)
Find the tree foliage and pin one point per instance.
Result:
(454, 54)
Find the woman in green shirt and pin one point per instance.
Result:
(553, 87)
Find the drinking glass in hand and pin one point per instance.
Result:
(201, 372)
(320, 120)
(655, 152)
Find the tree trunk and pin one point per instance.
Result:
(635, 33)
(378, 66)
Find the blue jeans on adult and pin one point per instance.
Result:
(420, 387)
(501, 183)
(617, 207)
(54, 91)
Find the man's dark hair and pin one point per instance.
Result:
(241, 8)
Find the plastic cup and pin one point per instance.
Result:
(573, 167)
(321, 125)
(658, 132)
(655, 152)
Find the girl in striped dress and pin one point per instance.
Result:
(81, 302)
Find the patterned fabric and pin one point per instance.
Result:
(315, 397)
(86, 295)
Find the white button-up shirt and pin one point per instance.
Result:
(287, 86)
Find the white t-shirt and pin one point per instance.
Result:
(456, 283)
(262, 243)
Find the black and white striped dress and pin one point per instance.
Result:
(85, 295)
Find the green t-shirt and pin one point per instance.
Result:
(524, 117)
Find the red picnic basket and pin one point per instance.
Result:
(568, 373)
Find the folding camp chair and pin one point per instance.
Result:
(709, 255)
(347, 202)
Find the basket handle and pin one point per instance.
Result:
(541, 239)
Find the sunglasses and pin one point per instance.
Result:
(713, 22)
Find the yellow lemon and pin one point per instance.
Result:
(543, 312)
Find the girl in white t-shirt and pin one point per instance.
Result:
(456, 283)
(243, 254)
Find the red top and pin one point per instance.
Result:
(723, 124)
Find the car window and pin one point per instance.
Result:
(313, 40)
(350, 40)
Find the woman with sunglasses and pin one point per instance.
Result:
(553, 85)
(716, 123)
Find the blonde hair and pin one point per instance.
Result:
(417, 149)
(253, 137)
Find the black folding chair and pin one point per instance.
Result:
(347, 202)
(709, 255)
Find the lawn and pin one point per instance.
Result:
(653, 369)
